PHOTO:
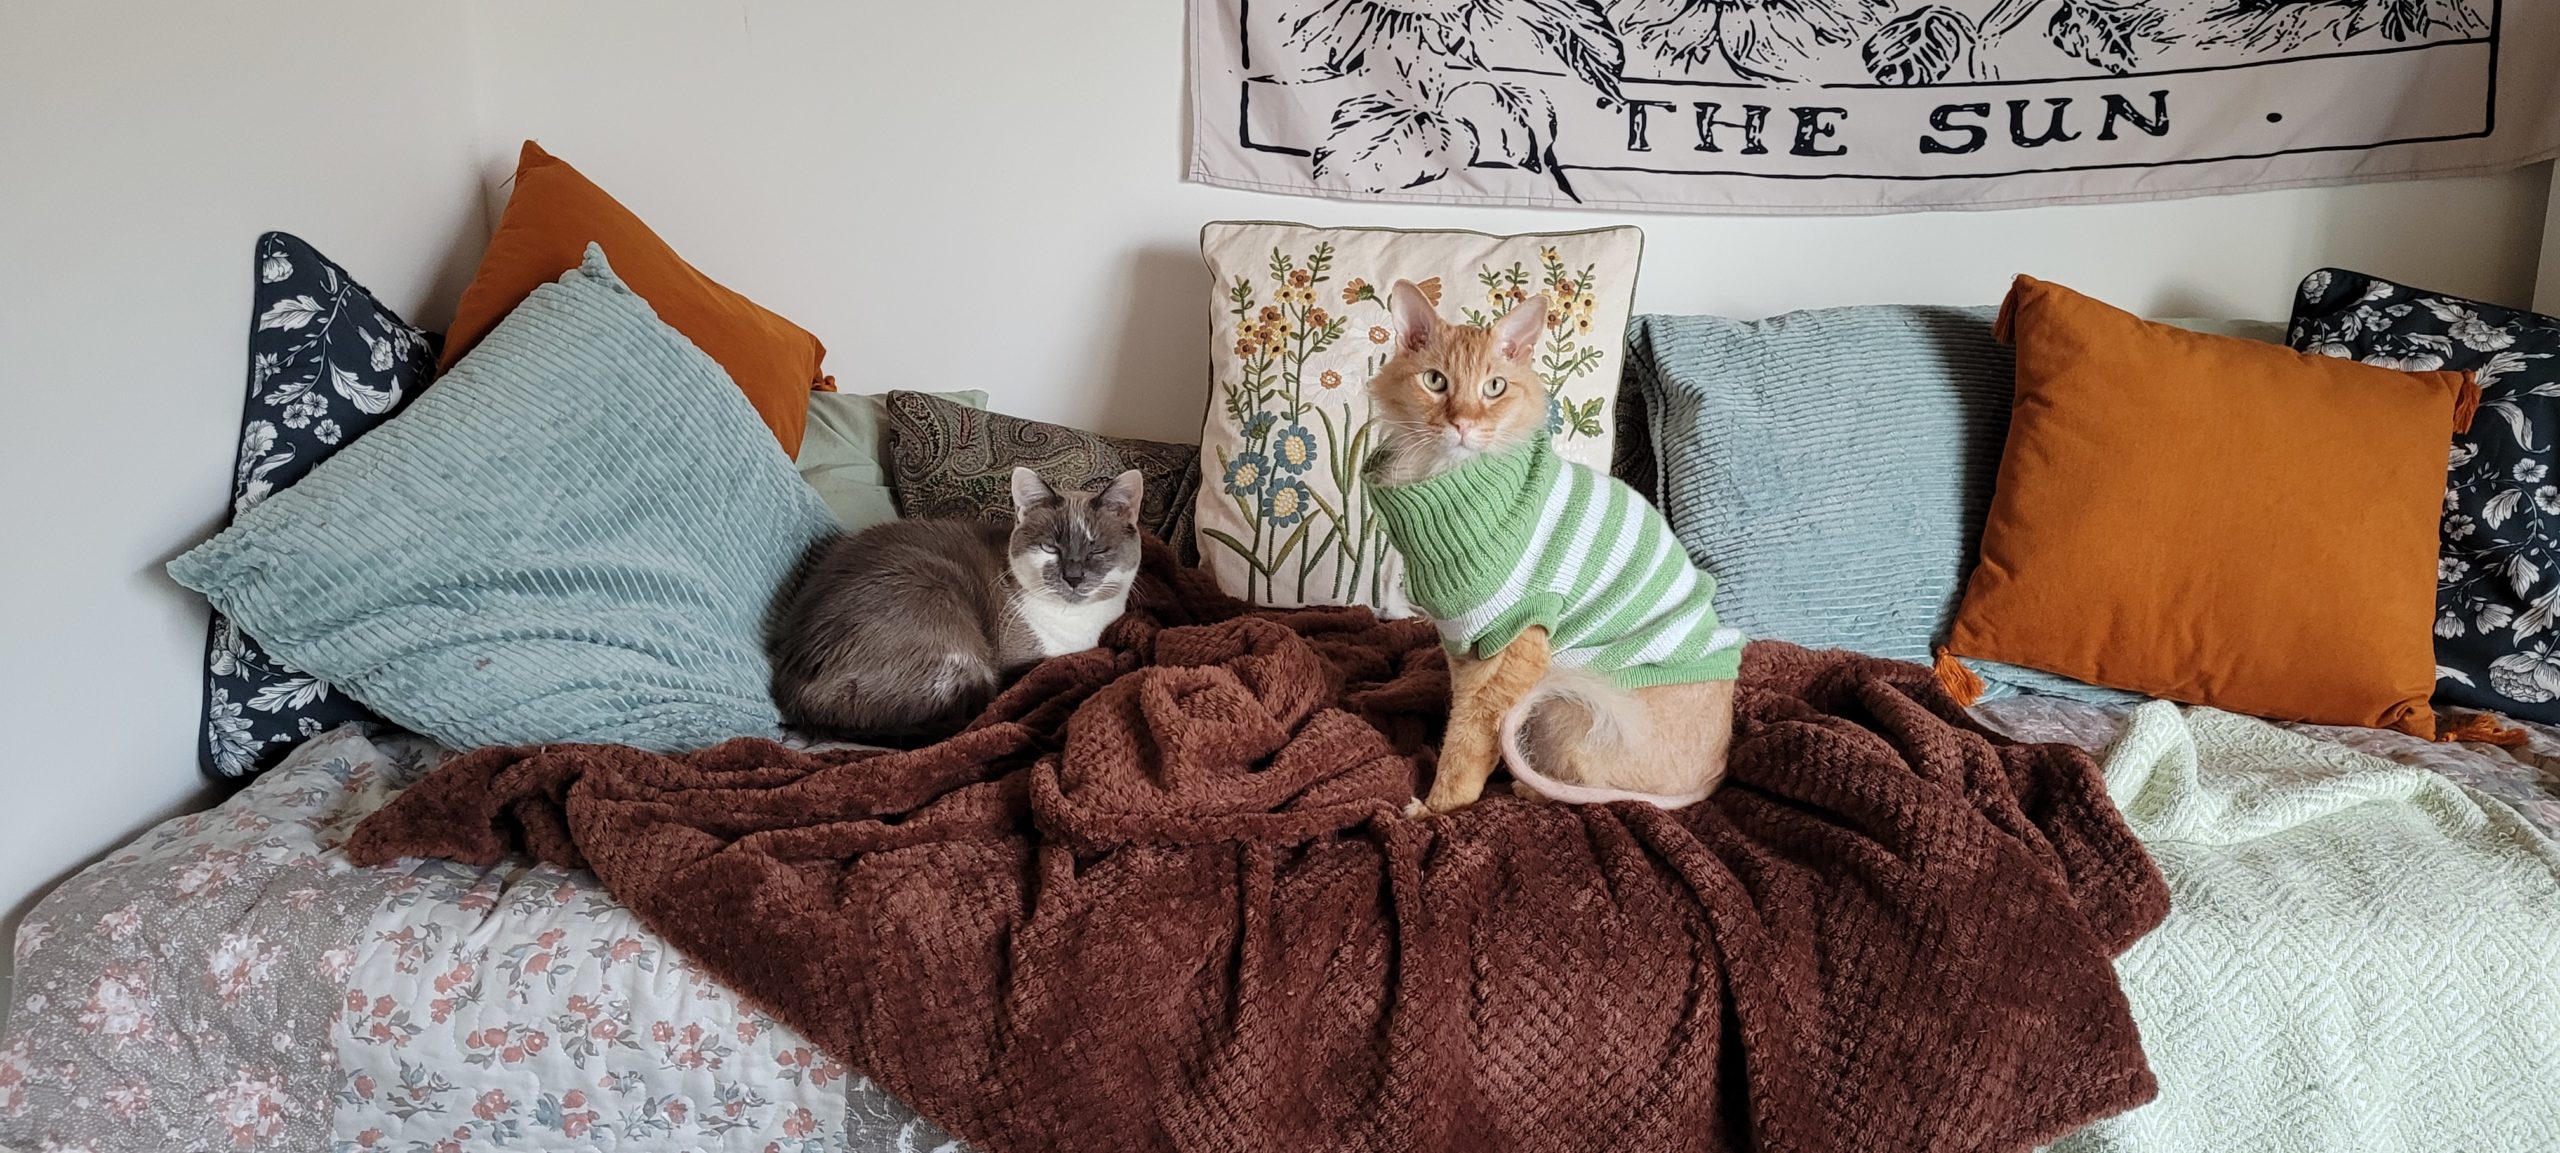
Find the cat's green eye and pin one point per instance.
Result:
(1432, 381)
(1493, 387)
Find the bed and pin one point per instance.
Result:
(229, 981)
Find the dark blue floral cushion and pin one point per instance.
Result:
(2498, 578)
(326, 365)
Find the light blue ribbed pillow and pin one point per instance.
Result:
(1831, 469)
(573, 536)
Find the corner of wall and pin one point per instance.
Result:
(2546, 291)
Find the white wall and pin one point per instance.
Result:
(143, 147)
(989, 195)
(950, 194)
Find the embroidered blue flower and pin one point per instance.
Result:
(1260, 425)
(1288, 503)
(1247, 474)
(1555, 415)
(1295, 449)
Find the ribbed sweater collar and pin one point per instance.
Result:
(1463, 531)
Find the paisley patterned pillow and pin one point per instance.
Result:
(2498, 576)
(951, 460)
(326, 365)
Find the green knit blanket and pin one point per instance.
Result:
(2359, 955)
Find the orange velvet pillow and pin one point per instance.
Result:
(552, 215)
(2213, 520)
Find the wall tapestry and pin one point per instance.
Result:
(1814, 106)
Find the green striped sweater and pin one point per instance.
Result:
(1525, 537)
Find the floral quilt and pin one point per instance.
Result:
(229, 981)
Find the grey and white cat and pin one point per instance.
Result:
(907, 629)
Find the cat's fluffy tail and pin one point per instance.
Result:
(1617, 719)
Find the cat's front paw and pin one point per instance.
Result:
(1415, 808)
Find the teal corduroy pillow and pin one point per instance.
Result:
(572, 537)
(1830, 469)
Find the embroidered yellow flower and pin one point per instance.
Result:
(1356, 291)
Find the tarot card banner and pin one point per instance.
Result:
(1815, 106)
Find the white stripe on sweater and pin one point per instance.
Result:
(1595, 512)
(1515, 586)
(1669, 639)
(1620, 592)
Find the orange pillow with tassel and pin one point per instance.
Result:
(2212, 520)
(555, 211)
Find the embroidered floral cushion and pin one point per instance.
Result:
(1298, 325)
(949, 459)
(2498, 577)
(326, 364)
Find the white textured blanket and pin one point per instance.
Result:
(2358, 956)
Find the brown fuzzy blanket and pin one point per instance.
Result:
(1160, 897)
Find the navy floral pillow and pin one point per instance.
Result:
(2498, 577)
(326, 365)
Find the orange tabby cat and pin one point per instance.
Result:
(1448, 396)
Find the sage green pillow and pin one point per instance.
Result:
(573, 536)
(845, 453)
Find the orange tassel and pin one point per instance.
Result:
(2480, 727)
(2466, 403)
(1959, 681)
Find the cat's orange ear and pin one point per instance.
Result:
(1516, 335)
(1414, 317)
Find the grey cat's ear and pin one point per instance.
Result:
(1414, 317)
(1122, 498)
(1029, 491)
(1515, 336)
